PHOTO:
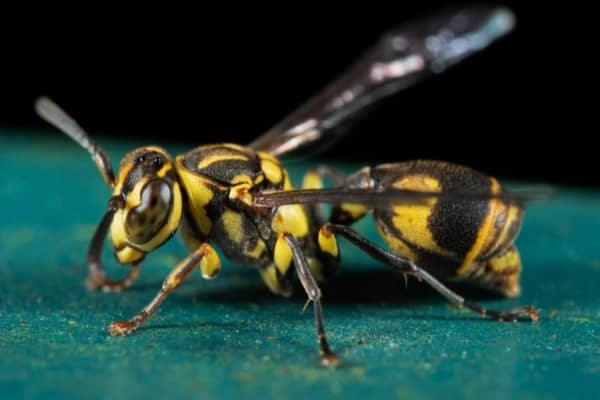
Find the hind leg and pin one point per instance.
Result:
(406, 266)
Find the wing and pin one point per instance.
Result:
(400, 59)
(391, 196)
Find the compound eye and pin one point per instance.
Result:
(145, 221)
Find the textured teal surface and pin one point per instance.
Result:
(230, 337)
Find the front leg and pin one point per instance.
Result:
(208, 259)
(97, 278)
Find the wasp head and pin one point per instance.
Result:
(150, 205)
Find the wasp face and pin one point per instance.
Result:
(151, 207)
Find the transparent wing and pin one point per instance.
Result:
(391, 196)
(400, 59)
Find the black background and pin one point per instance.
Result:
(519, 110)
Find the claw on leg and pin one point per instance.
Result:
(122, 328)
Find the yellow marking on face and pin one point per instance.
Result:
(213, 158)
(272, 170)
(210, 264)
(123, 172)
(200, 194)
(292, 219)
(355, 210)
(257, 251)
(282, 255)
(312, 180)
(164, 170)
(129, 255)
(232, 221)
(484, 234)
(117, 229)
(412, 219)
(328, 243)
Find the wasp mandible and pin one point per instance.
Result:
(441, 220)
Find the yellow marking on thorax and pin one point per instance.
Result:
(292, 219)
(257, 251)
(213, 158)
(484, 234)
(412, 219)
(272, 170)
(199, 196)
(241, 179)
(242, 184)
(267, 156)
(232, 222)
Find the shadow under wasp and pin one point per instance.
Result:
(443, 221)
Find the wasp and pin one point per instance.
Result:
(442, 221)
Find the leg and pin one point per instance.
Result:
(204, 255)
(329, 359)
(408, 267)
(97, 277)
(98, 280)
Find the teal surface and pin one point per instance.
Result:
(230, 337)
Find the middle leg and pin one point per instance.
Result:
(286, 240)
(208, 259)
